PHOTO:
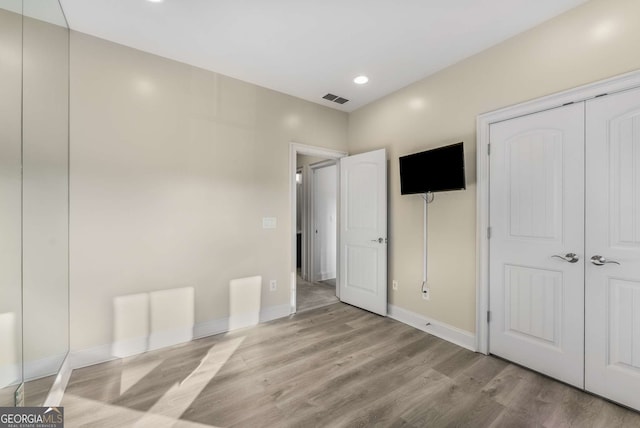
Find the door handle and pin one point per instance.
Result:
(380, 240)
(569, 257)
(601, 260)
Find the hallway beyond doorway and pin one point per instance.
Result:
(311, 295)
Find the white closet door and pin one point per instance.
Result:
(612, 353)
(537, 212)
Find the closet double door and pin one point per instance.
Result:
(565, 244)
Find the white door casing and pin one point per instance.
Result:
(363, 231)
(324, 194)
(612, 291)
(296, 149)
(537, 211)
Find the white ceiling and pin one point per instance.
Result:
(307, 48)
(42, 10)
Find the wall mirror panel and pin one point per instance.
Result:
(34, 317)
(10, 200)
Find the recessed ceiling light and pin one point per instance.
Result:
(361, 80)
(156, 1)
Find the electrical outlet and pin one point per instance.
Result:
(273, 285)
(394, 284)
(426, 293)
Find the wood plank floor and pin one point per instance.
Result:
(312, 295)
(7, 396)
(36, 391)
(329, 367)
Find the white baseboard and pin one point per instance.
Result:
(111, 351)
(36, 369)
(90, 356)
(326, 275)
(443, 331)
(274, 312)
(10, 374)
(162, 339)
(156, 340)
(210, 328)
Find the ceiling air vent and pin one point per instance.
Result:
(335, 98)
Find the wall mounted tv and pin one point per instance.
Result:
(436, 170)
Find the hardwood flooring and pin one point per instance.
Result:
(335, 366)
(7, 396)
(36, 391)
(312, 295)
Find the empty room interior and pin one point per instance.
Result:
(285, 213)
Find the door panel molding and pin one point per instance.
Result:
(537, 211)
(612, 228)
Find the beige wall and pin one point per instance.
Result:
(597, 40)
(172, 170)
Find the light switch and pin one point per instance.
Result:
(269, 222)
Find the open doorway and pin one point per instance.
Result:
(316, 225)
(312, 286)
(361, 253)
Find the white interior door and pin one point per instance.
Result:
(325, 189)
(363, 231)
(612, 354)
(537, 213)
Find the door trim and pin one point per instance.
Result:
(582, 93)
(296, 149)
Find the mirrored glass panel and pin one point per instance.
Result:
(10, 200)
(45, 201)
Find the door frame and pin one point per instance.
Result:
(296, 149)
(311, 214)
(483, 122)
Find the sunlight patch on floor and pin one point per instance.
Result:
(178, 398)
(168, 409)
(96, 413)
(132, 375)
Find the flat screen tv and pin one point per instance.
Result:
(436, 170)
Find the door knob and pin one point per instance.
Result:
(569, 257)
(601, 260)
(380, 240)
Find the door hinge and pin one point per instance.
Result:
(488, 316)
(489, 149)
(488, 233)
